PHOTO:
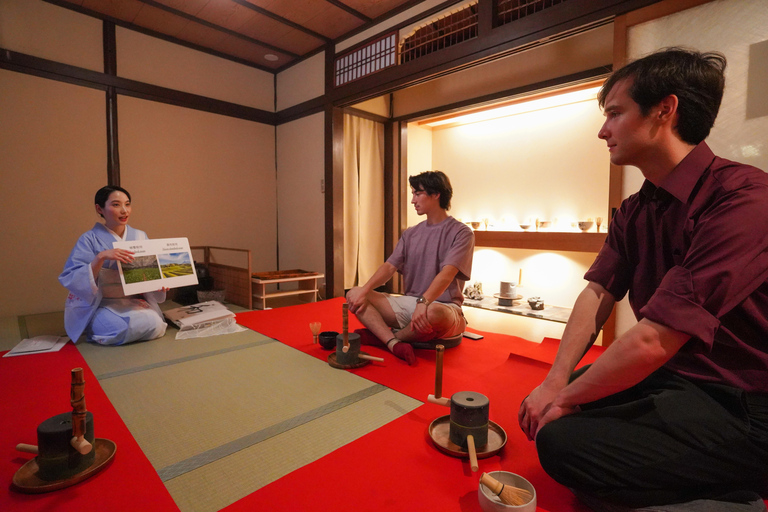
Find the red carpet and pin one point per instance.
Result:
(396, 467)
(36, 387)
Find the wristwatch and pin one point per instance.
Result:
(422, 300)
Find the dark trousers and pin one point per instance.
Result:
(665, 440)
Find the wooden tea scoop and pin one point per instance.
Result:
(345, 326)
(437, 398)
(472, 452)
(77, 399)
(508, 494)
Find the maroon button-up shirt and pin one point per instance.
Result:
(693, 254)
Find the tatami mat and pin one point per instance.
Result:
(107, 362)
(220, 417)
(227, 480)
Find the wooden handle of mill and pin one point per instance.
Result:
(491, 483)
(369, 358)
(27, 448)
(345, 326)
(472, 452)
(77, 399)
(439, 349)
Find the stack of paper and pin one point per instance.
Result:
(37, 345)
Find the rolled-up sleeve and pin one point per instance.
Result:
(676, 293)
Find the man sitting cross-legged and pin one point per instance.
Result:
(435, 259)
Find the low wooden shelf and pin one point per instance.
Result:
(541, 240)
(307, 281)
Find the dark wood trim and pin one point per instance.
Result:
(575, 78)
(541, 240)
(158, 35)
(334, 198)
(80, 76)
(485, 16)
(110, 68)
(282, 20)
(218, 28)
(540, 28)
(390, 192)
(353, 12)
(365, 115)
(304, 109)
(393, 13)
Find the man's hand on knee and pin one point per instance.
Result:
(357, 299)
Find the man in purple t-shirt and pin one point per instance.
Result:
(676, 409)
(435, 259)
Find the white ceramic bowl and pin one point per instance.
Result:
(489, 502)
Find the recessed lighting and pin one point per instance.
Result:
(271, 57)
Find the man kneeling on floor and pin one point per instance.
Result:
(673, 416)
(435, 259)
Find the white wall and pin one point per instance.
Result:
(203, 176)
(51, 32)
(154, 61)
(52, 149)
(300, 202)
(302, 82)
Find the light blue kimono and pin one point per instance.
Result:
(97, 308)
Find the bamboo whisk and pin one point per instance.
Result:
(508, 494)
(315, 328)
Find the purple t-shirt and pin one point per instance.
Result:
(693, 254)
(425, 249)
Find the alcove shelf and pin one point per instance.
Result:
(541, 240)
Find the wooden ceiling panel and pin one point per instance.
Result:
(125, 10)
(333, 22)
(201, 35)
(244, 30)
(227, 14)
(275, 33)
(252, 52)
(188, 6)
(375, 8)
(160, 20)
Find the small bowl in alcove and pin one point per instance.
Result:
(474, 225)
(525, 227)
(585, 225)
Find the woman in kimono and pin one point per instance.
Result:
(96, 305)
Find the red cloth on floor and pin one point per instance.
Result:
(36, 387)
(397, 467)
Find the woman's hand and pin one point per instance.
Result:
(121, 255)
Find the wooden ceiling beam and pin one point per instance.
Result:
(282, 20)
(350, 10)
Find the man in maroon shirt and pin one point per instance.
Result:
(676, 409)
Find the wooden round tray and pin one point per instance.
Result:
(439, 432)
(26, 480)
(360, 362)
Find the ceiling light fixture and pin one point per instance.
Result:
(271, 57)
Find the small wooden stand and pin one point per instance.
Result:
(307, 281)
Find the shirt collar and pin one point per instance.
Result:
(683, 178)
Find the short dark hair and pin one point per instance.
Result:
(696, 78)
(434, 182)
(102, 195)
